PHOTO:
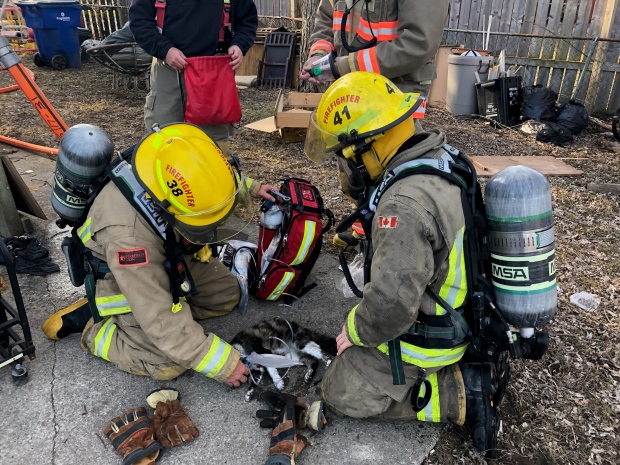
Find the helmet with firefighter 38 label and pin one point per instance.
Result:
(195, 187)
(356, 107)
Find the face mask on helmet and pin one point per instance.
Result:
(191, 182)
(352, 119)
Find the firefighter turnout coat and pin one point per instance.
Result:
(408, 35)
(141, 332)
(417, 239)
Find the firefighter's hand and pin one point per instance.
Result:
(342, 341)
(238, 376)
(236, 57)
(305, 70)
(176, 59)
(264, 192)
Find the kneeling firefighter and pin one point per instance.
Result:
(407, 350)
(139, 245)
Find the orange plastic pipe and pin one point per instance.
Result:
(28, 146)
(4, 90)
(22, 77)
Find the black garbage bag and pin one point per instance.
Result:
(554, 133)
(538, 103)
(573, 116)
(29, 256)
(614, 124)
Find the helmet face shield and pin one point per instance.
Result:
(235, 213)
(320, 144)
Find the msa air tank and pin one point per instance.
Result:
(521, 242)
(83, 155)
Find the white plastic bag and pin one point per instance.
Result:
(356, 268)
(244, 253)
(586, 300)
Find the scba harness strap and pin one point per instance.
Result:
(438, 331)
(85, 268)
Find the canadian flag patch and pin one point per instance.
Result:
(388, 222)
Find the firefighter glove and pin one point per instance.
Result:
(131, 435)
(172, 425)
(312, 416)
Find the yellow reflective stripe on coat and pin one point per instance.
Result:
(216, 357)
(112, 305)
(427, 358)
(454, 288)
(432, 410)
(284, 282)
(84, 231)
(353, 336)
(104, 339)
(306, 242)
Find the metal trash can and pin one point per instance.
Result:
(461, 92)
(55, 25)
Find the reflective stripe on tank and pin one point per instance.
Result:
(216, 357)
(112, 305)
(103, 340)
(432, 410)
(427, 358)
(286, 279)
(524, 275)
(306, 242)
(454, 288)
(84, 231)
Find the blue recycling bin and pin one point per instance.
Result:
(55, 25)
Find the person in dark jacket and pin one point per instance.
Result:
(189, 29)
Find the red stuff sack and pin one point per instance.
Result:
(299, 241)
(211, 92)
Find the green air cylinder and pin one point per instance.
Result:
(521, 242)
(83, 155)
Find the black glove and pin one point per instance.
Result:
(280, 404)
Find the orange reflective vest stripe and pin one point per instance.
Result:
(367, 60)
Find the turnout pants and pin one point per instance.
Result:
(358, 384)
(131, 350)
(164, 104)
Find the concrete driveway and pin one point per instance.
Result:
(59, 416)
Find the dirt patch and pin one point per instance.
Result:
(564, 409)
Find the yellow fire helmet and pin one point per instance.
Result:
(188, 177)
(355, 111)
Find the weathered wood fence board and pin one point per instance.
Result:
(561, 50)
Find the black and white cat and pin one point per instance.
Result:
(300, 344)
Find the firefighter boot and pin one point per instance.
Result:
(69, 320)
(481, 385)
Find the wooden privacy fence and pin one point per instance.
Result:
(577, 75)
(103, 17)
(572, 46)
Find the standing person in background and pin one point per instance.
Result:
(395, 38)
(174, 31)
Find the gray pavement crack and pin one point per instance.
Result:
(53, 400)
(55, 423)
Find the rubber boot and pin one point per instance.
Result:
(481, 385)
(69, 320)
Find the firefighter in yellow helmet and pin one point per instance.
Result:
(144, 240)
(399, 349)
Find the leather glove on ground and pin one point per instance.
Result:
(172, 425)
(131, 435)
(312, 416)
(283, 413)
